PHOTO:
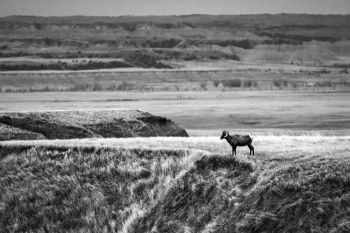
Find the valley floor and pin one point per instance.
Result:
(207, 110)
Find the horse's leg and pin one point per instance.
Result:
(251, 148)
(233, 151)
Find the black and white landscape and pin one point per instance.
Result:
(113, 123)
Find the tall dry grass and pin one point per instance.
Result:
(293, 184)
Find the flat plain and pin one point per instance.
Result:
(204, 110)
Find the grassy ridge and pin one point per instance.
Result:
(87, 124)
(293, 184)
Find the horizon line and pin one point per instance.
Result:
(176, 15)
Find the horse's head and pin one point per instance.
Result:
(224, 134)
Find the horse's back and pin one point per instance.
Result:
(243, 140)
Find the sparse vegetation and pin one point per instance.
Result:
(97, 87)
(125, 86)
(232, 83)
(281, 83)
(181, 80)
(203, 85)
(250, 84)
(216, 83)
(91, 65)
(80, 87)
(4, 47)
(344, 71)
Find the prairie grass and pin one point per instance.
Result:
(48, 189)
(284, 145)
(293, 184)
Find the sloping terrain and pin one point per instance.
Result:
(13, 133)
(225, 195)
(293, 184)
(88, 124)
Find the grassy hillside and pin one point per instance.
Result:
(13, 133)
(293, 184)
(87, 124)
